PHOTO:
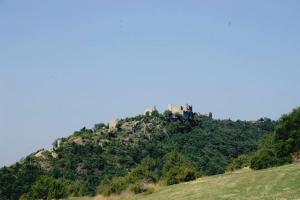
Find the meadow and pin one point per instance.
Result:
(273, 183)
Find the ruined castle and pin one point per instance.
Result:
(112, 125)
(185, 110)
(150, 110)
(182, 110)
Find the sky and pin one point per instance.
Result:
(69, 64)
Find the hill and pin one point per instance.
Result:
(273, 183)
(143, 149)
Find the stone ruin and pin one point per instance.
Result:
(112, 125)
(185, 110)
(150, 110)
(57, 143)
(182, 110)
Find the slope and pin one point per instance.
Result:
(273, 183)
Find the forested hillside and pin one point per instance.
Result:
(280, 147)
(142, 150)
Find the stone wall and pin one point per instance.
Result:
(113, 124)
(180, 109)
(150, 110)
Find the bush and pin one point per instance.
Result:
(146, 171)
(149, 191)
(47, 188)
(75, 189)
(137, 188)
(240, 162)
(99, 126)
(179, 174)
(25, 196)
(177, 168)
(143, 172)
(116, 186)
(264, 159)
(167, 114)
(173, 159)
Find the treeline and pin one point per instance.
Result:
(162, 148)
(278, 148)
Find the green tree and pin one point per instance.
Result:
(182, 173)
(287, 134)
(167, 114)
(47, 187)
(18, 178)
(240, 162)
(264, 159)
(277, 148)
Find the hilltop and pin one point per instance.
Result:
(174, 146)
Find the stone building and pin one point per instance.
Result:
(209, 115)
(57, 143)
(182, 110)
(150, 110)
(112, 125)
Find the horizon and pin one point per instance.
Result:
(72, 64)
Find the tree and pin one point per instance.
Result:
(99, 126)
(168, 114)
(47, 187)
(177, 168)
(240, 162)
(263, 159)
(17, 179)
(276, 149)
(182, 173)
(287, 133)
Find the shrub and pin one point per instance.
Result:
(116, 186)
(137, 188)
(240, 162)
(149, 191)
(264, 159)
(75, 189)
(173, 159)
(25, 196)
(143, 172)
(167, 114)
(99, 126)
(177, 168)
(47, 188)
(184, 173)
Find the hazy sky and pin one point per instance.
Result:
(65, 64)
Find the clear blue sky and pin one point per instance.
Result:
(65, 64)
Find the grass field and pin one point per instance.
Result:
(275, 183)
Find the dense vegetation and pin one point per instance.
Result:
(278, 148)
(174, 168)
(142, 150)
(17, 179)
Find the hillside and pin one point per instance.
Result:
(89, 159)
(273, 183)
